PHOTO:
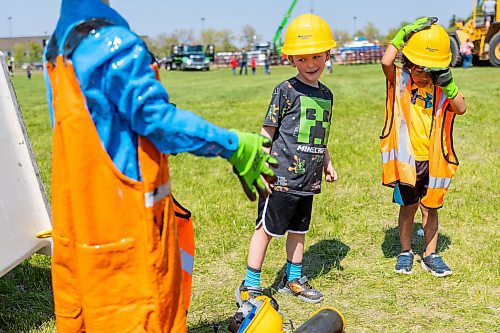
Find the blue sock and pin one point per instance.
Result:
(252, 279)
(293, 271)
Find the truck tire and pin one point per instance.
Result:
(494, 53)
(456, 58)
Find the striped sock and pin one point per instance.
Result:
(293, 271)
(252, 279)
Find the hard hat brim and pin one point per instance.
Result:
(419, 60)
(305, 49)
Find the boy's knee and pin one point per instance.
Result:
(408, 210)
(428, 211)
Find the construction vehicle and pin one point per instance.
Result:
(272, 51)
(486, 42)
(184, 57)
(278, 41)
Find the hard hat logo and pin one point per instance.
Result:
(308, 34)
(304, 36)
(430, 49)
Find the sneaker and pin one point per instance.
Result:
(435, 264)
(244, 293)
(404, 264)
(300, 288)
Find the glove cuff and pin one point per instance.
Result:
(451, 90)
(398, 40)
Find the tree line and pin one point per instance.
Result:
(30, 53)
(224, 40)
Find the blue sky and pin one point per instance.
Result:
(37, 17)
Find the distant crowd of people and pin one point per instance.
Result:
(242, 62)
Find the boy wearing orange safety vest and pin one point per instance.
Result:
(418, 159)
(117, 264)
(298, 122)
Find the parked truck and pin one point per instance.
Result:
(185, 57)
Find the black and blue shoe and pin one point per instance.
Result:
(434, 264)
(404, 263)
(300, 288)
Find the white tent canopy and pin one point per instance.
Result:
(24, 209)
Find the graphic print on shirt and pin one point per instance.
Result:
(281, 184)
(314, 122)
(301, 115)
(299, 166)
(272, 113)
(427, 99)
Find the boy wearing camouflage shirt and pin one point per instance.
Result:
(298, 123)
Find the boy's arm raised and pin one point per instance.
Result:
(388, 62)
(398, 42)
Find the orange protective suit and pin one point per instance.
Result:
(116, 262)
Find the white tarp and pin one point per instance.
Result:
(24, 209)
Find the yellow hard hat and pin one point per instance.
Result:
(257, 315)
(429, 48)
(308, 34)
(267, 319)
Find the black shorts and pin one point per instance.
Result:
(283, 212)
(405, 195)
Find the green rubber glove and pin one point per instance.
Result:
(405, 32)
(250, 162)
(443, 78)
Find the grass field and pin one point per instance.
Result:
(351, 248)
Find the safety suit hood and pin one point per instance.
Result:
(77, 11)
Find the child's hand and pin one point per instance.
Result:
(405, 32)
(330, 173)
(443, 78)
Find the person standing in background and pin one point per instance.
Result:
(28, 72)
(267, 61)
(234, 63)
(244, 61)
(489, 8)
(466, 52)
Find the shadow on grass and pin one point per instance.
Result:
(319, 259)
(392, 247)
(220, 326)
(26, 296)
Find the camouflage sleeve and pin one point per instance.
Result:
(276, 107)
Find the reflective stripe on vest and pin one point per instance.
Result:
(388, 156)
(187, 262)
(152, 197)
(401, 155)
(439, 182)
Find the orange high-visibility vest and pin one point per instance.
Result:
(185, 233)
(185, 230)
(398, 161)
(116, 264)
